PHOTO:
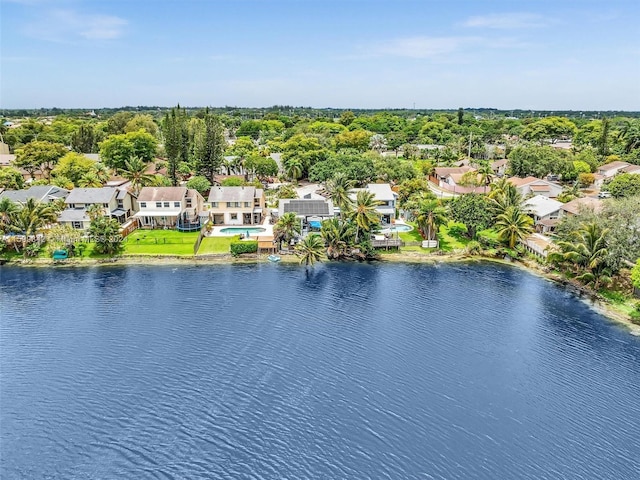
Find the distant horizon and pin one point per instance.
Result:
(538, 55)
(307, 107)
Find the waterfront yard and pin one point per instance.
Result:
(159, 242)
(215, 245)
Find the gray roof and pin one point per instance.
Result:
(73, 215)
(233, 194)
(42, 193)
(91, 195)
(308, 207)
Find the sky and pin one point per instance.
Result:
(429, 54)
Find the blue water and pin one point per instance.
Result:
(350, 371)
(237, 230)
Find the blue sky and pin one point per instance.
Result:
(527, 54)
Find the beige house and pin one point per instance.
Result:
(115, 202)
(531, 186)
(236, 205)
(170, 207)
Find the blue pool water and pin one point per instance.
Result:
(342, 371)
(239, 230)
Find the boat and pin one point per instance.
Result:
(273, 258)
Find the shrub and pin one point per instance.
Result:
(473, 248)
(239, 247)
(457, 229)
(486, 241)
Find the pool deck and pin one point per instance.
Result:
(268, 229)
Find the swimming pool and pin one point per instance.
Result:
(397, 228)
(239, 230)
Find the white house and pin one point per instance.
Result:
(236, 205)
(169, 207)
(545, 212)
(612, 169)
(385, 197)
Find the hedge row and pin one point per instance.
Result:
(240, 247)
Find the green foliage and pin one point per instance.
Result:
(536, 161)
(142, 122)
(472, 210)
(199, 183)
(550, 128)
(72, 167)
(11, 178)
(209, 144)
(243, 246)
(624, 185)
(105, 232)
(232, 182)
(117, 149)
(310, 249)
(635, 274)
(39, 155)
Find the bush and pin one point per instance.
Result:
(239, 247)
(486, 241)
(473, 248)
(457, 229)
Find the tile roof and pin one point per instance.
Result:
(577, 204)
(159, 194)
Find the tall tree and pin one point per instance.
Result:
(7, 210)
(209, 146)
(83, 140)
(135, 170)
(40, 155)
(286, 228)
(430, 214)
(31, 217)
(176, 145)
(363, 213)
(603, 141)
(338, 188)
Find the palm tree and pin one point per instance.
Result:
(31, 217)
(513, 225)
(136, 172)
(364, 212)
(7, 210)
(287, 228)
(95, 211)
(502, 196)
(338, 188)
(102, 172)
(586, 253)
(90, 180)
(293, 170)
(310, 249)
(338, 235)
(630, 135)
(430, 214)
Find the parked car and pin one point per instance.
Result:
(604, 195)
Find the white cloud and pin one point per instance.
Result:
(69, 25)
(424, 47)
(507, 21)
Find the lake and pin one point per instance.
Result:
(350, 371)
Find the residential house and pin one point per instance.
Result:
(529, 186)
(40, 193)
(577, 205)
(633, 169)
(449, 176)
(116, 203)
(384, 196)
(170, 207)
(545, 212)
(612, 169)
(499, 167)
(310, 212)
(236, 205)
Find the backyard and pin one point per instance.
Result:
(159, 242)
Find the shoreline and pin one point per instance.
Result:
(585, 294)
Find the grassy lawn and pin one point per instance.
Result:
(450, 242)
(215, 245)
(622, 303)
(159, 242)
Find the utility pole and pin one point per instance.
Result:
(469, 155)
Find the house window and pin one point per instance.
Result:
(143, 204)
(120, 204)
(247, 204)
(105, 205)
(176, 204)
(234, 216)
(77, 224)
(214, 204)
(167, 204)
(233, 204)
(188, 203)
(158, 204)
